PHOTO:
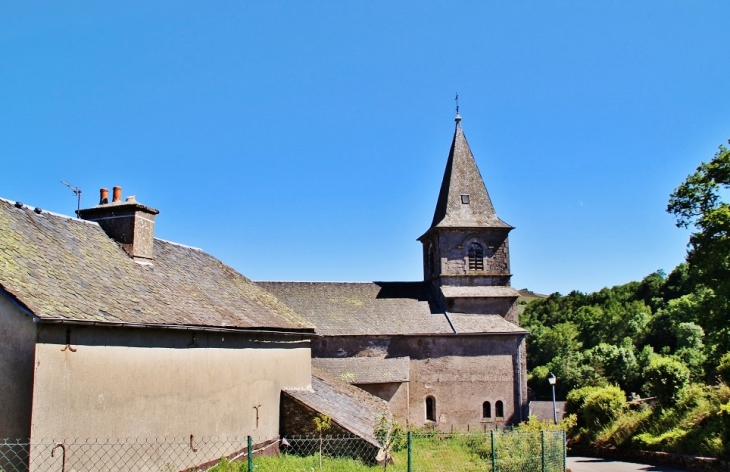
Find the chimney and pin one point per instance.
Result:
(129, 223)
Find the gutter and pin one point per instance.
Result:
(169, 326)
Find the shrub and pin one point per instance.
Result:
(666, 379)
(603, 406)
(595, 407)
(724, 368)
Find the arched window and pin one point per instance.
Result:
(430, 409)
(476, 257)
(499, 409)
(486, 410)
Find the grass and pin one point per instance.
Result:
(431, 452)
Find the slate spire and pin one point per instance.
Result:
(463, 200)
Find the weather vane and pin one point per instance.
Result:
(77, 192)
(457, 102)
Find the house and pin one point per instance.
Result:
(108, 332)
(444, 352)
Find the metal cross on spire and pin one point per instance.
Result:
(457, 102)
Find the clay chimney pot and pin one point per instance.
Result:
(104, 196)
(117, 195)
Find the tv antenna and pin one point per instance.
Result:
(77, 192)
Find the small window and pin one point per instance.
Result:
(465, 199)
(486, 410)
(430, 409)
(476, 257)
(499, 409)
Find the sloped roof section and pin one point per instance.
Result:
(378, 308)
(462, 177)
(474, 324)
(352, 408)
(363, 308)
(63, 268)
(366, 370)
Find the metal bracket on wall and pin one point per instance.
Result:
(68, 343)
(257, 414)
(193, 343)
(63, 460)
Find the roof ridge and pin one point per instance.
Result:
(48, 212)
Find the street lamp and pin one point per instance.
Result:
(552, 379)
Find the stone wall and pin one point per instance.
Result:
(395, 393)
(451, 247)
(682, 461)
(460, 372)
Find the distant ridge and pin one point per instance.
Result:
(530, 294)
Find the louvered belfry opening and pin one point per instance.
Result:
(476, 257)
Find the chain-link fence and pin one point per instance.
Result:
(494, 451)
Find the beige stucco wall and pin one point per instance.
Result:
(143, 383)
(17, 338)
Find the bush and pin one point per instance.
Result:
(724, 368)
(595, 407)
(666, 378)
(603, 406)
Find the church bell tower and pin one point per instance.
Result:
(466, 249)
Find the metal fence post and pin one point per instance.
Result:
(410, 451)
(542, 441)
(494, 455)
(249, 448)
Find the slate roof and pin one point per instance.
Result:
(63, 268)
(366, 370)
(462, 177)
(379, 308)
(350, 407)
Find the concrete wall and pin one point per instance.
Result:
(17, 342)
(144, 383)
(459, 371)
(395, 393)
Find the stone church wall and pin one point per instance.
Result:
(460, 372)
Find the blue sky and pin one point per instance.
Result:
(307, 140)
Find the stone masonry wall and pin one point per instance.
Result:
(459, 372)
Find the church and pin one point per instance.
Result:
(445, 352)
(109, 332)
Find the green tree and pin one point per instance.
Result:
(723, 369)
(698, 203)
(322, 423)
(666, 378)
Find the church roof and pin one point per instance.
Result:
(354, 409)
(379, 308)
(462, 178)
(365, 370)
(66, 269)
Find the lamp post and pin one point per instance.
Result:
(552, 379)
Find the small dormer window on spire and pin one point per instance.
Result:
(465, 199)
(476, 257)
